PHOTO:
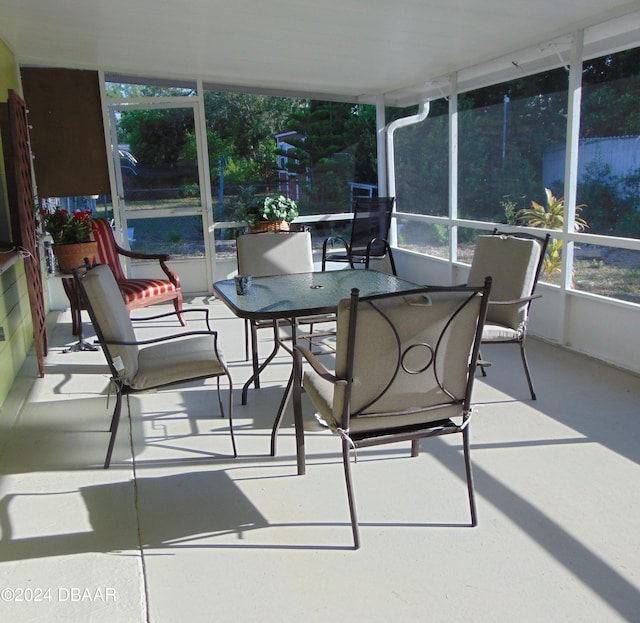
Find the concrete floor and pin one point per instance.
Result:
(177, 530)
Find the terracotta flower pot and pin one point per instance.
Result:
(71, 255)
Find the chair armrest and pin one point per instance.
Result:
(161, 257)
(164, 338)
(141, 256)
(387, 249)
(117, 374)
(333, 239)
(203, 310)
(524, 299)
(376, 239)
(301, 351)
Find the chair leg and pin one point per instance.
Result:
(526, 370)
(350, 495)
(115, 420)
(75, 320)
(415, 447)
(177, 304)
(233, 439)
(254, 354)
(219, 397)
(394, 272)
(467, 465)
(482, 367)
(298, 422)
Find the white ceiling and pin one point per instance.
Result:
(354, 50)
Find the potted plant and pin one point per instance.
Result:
(273, 213)
(71, 234)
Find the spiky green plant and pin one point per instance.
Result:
(551, 216)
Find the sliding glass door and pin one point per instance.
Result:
(161, 206)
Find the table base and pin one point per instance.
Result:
(79, 346)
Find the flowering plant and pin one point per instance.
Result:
(271, 209)
(67, 227)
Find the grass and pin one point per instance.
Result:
(616, 274)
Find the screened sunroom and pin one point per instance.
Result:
(477, 112)
(470, 130)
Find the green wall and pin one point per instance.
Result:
(8, 71)
(15, 311)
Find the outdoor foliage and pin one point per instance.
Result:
(502, 142)
(271, 209)
(66, 227)
(504, 132)
(157, 136)
(338, 147)
(551, 216)
(241, 129)
(615, 199)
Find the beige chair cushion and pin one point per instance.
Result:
(512, 263)
(176, 361)
(383, 393)
(274, 253)
(112, 317)
(277, 253)
(151, 366)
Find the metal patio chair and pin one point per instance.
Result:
(404, 370)
(276, 253)
(139, 365)
(514, 262)
(369, 233)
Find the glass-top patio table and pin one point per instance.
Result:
(304, 294)
(289, 297)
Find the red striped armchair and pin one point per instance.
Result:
(137, 292)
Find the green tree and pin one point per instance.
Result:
(158, 136)
(241, 127)
(610, 95)
(336, 147)
(422, 165)
(321, 126)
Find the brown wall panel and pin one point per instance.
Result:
(67, 133)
